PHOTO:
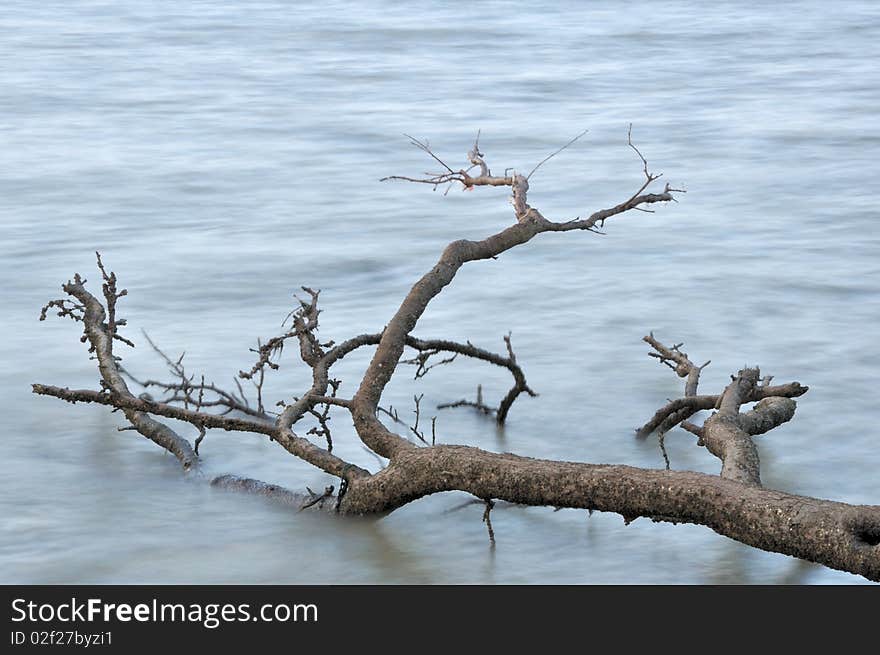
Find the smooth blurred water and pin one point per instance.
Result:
(221, 154)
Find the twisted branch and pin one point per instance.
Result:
(733, 503)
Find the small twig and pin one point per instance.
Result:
(66, 307)
(391, 412)
(509, 347)
(305, 324)
(679, 362)
(426, 148)
(258, 384)
(553, 154)
(468, 403)
(200, 438)
(200, 427)
(479, 405)
(487, 519)
(185, 391)
(629, 142)
(662, 441)
(475, 157)
(314, 498)
(415, 427)
(421, 361)
(343, 489)
(111, 296)
(241, 393)
(324, 417)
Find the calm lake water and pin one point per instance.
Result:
(221, 154)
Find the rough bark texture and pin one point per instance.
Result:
(835, 534)
(733, 503)
(100, 335)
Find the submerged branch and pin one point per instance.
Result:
(733, 503)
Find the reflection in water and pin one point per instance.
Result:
(735, 565)
(386, 551)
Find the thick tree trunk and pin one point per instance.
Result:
(835, 534)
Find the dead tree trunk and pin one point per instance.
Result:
(734, 503)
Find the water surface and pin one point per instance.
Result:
(221, 154)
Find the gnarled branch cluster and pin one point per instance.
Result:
(733, 503)
(728, 433)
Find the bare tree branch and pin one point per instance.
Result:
(554, 153)
(477, 404)
(100, 335)
(835, 534)
(681, 409)
(414, 428)
(187, 392)
(732, 503)
(487, 519)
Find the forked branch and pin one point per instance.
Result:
(733, 503)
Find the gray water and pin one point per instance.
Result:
(221, 154)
